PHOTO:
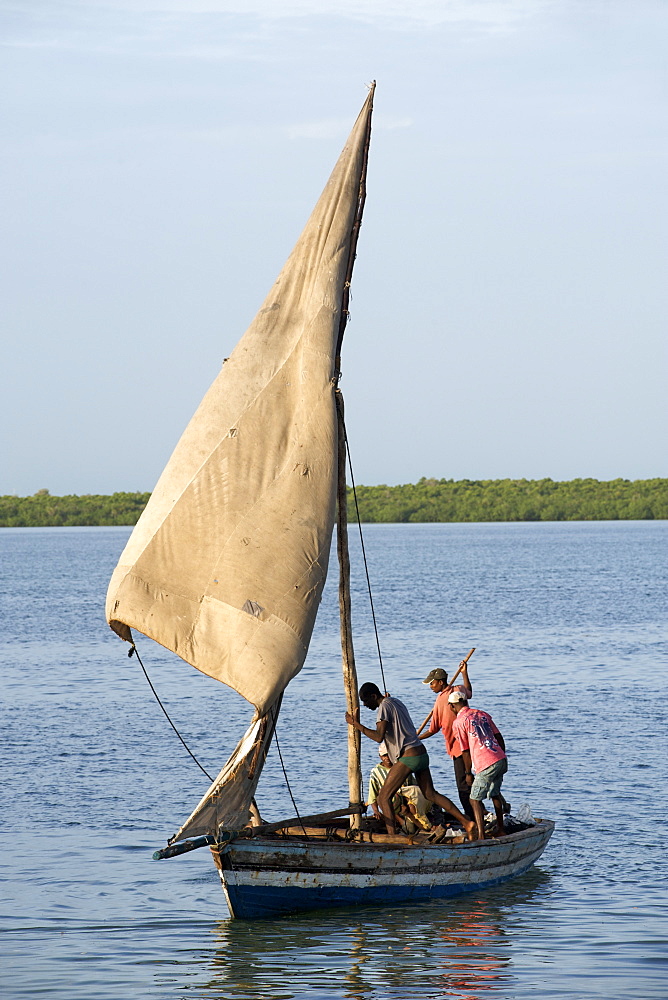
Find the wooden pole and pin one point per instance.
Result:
(259, 831)
(347, 651)
(348, 654)
(451, 682)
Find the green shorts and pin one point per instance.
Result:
(415, 764)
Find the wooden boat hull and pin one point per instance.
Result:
(265, 878)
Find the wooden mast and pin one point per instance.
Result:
(347, 651)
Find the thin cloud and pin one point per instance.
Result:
(188, 29)
(388, 124)
(331, 128)
(326, 129)
(485, 13)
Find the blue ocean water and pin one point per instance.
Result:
(570, 627)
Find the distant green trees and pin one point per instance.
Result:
(44, 511)
(514, 500)
(428, 500)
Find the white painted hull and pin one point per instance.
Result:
(266, 877)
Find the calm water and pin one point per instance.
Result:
(569, 621)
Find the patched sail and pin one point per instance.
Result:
(227, 563)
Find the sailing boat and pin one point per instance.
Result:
(226, 568)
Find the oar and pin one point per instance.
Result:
(452, 681)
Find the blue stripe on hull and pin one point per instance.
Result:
(255, 902)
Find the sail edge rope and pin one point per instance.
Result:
(287, 783)
(134, 651)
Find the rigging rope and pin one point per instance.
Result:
(285, 775)
(134, 651)
(366, 566)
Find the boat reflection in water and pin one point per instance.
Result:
(460, 948)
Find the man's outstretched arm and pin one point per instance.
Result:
(377, 734)
(465, 679)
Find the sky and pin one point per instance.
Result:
(160, 158)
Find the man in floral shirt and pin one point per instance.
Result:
(484, 751)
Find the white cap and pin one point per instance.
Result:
(457, 696)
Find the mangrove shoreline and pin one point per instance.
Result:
(428, 501)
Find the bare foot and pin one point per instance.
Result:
(471, 830)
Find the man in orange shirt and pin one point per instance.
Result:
(442, 717)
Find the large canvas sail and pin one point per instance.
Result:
(227, 563)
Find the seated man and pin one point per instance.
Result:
(408, 802)
(415, 807)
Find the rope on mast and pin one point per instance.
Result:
(366, 565)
